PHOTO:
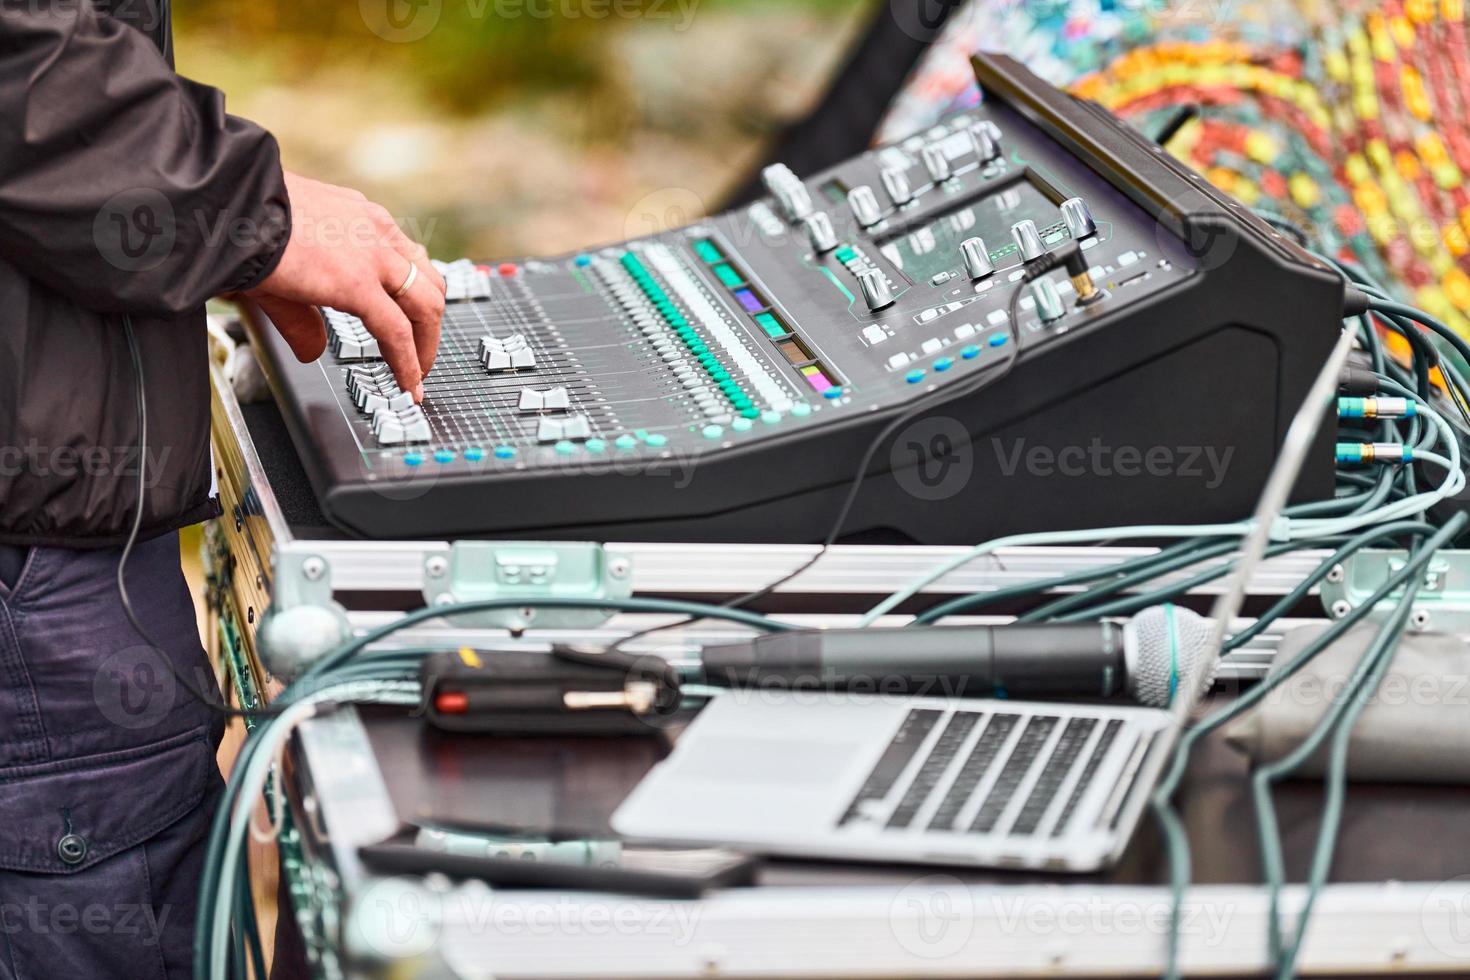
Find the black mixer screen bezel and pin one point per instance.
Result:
(920, 218)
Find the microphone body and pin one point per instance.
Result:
(1023, 660)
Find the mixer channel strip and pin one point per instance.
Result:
(374, 387)
(348, 337)
(690, 329)
(506, 354)
(394, 427)
(463, 280)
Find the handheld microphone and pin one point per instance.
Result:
(1147, 658)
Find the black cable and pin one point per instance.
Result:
(1180, 118)
(215, 704)
(920, 406)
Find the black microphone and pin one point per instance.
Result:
(1145, 658)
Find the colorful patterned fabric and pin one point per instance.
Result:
(1348, 119)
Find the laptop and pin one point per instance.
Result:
(979, 782)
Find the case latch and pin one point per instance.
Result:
(1443, 603)
(472, 571)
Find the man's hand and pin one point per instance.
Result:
(348, 253)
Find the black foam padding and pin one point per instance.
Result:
(283, 468)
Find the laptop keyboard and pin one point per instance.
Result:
(905, 745)
(934, 766)
(995, 751)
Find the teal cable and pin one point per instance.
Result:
(976, 600)
(1203, 551)
(1128, 604)
(1177, 843)
(1304, 588)
(1332, 816)
(1363, 680)
(215, 848)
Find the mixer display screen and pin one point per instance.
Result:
(930, 250)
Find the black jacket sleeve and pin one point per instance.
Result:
(123, 185)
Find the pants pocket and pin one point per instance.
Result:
(12, 566)
(100, 923)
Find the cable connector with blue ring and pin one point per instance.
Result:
(1376, 408)
(1374, 452)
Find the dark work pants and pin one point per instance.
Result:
(108, 778)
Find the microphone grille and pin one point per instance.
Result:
(1154, 656)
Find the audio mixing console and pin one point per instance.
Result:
(721, 381)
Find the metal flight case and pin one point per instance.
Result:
(1398, 899)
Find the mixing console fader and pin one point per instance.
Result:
(722, 381)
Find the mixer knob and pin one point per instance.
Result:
(1049, 304)
(1079, 218)
(875, 289)
(795, 200)
(977, 258)
(896, 183)
(777, 176)
(864, 204)
(1028, 239)
(819, 233)
(986, 148)
(936, 163)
